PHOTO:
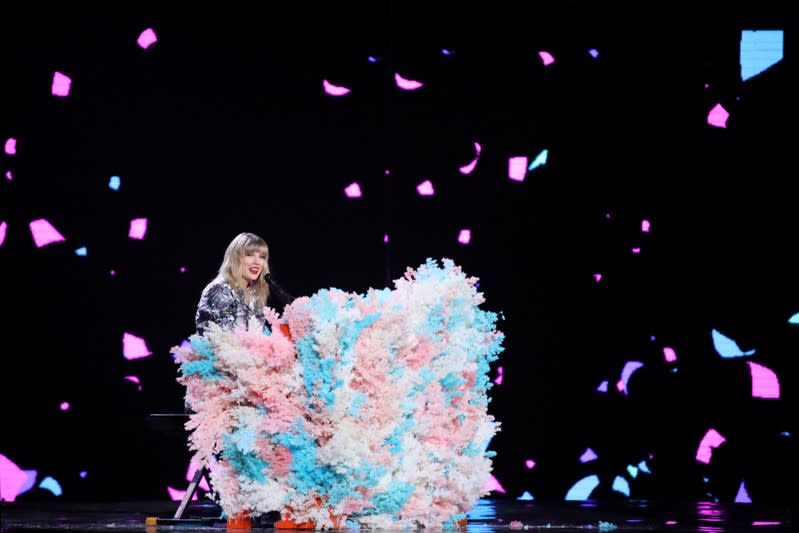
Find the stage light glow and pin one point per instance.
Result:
(134, 347)
(669, 354)
(583, 488)
(588, 456)
(61, 84)
(712, 439)
(334, 90)
(146, 38)
(517, 168)
(138, 228)
(546, 58)
(464, 236)
(353, 190)
(718, 116)
(11, 146)
(540, 160)
(764, 382)
(52, 485)
(726, 347)
(13, 479)
(114, 182)
(44, 233)
(406, 84)
(425, 188)
(467, 169)
(759, 50)
(742, 496)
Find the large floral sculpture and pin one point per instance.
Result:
(368, 410)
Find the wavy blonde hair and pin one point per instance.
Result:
(230, 269)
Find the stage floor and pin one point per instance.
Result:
(488, 515)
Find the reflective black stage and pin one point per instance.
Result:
(488, 515)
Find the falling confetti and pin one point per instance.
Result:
(353, 190)
(405, 84)
(138, 228)
(146, 38)
(44, 233)
(334, 90)
(425, 188)
(61, 84)
(134, 347)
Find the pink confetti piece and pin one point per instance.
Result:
(516, 524)
(593, 52)
(517, 168)
(14, 478)
(182, 269)
(3, 228)
(353, 190)
(425, 188)
(138, 228)
(177, 495)
(529, 464)
(44, 233)
(385, 238)
(636, 250)
(61, 84)
(467, 169)
(712, 439)
(645, 226)
(492, 484)
(406, 84)
(136, 380)
(334, 90)
(9, 177)
(64, 406)
(203, 484)
(465, 236)
(718, 116)
(146, 38)
(498, 380)
(597, 277)
(764, 382)
(546, 58)
(11, 146)
(134, 347)
(669, 354)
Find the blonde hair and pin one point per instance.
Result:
(230, 269)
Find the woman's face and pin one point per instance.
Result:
(253, 263)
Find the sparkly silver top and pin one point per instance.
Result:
(227, 307)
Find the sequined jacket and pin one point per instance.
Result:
(226, 306)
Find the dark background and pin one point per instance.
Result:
(223, 126)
